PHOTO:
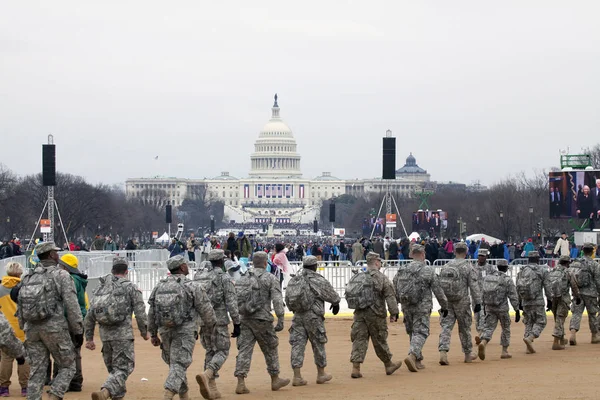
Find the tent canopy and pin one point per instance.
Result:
(479, 236)
(415, 236)
(164, 238)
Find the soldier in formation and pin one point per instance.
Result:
(112, 305)
(498, 289)
(457, 278)
(305, 295)
(482, 269)
(372, 293)
(586, 273)
(414, 284)
(561, 285)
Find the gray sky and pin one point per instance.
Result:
(476, 90)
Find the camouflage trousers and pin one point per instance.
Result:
(263, 332)
(480, 320)
(177, 349)
(119, 359)
(560, 310)
(534, 318)
(304, 328)
(492, 317)
(591, 305)
(416, 323)
(367, 325)
(39, 346)
(461, 313)
(216, 342)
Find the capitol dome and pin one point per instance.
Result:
(275, 151)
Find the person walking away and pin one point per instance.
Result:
(532, 281)
(220, 289)
(281, 261)
(414, 284)
(49, 312)
(586, 273)
(8, 307)
(482, 269)
(111, 307)
(257, 322)
(305, 296)
(457, 278)
(498, 290)
(243, 245)
(368, 293)
(357, 252)
(561, 284)
(174, 304)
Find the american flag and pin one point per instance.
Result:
(259, 190)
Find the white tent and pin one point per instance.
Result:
(479, 236)
(164, 238)
(415, 236)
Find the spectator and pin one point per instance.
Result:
(326, 252)
(191, 248)
(109, 245)
(281, 261)
(528, 247)
(231, 243)
(343, 251)
(393, 250)
(243, 245)
(562, 247)
(6, 250)
(175, 248)
(232, 267)
(357, 252)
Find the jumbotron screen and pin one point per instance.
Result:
(574, 194)
(429, 221)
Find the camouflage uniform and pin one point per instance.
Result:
(500, 313)
(460, 310)
(561, 305)
(309, 325)
(51, 336)
(258, 327)
(216, 341)
(417, 313)
(117, 340)
(482, 271)
(371, 322)
(9, 343)
(534, 312)
(178, 342)
(589, 297)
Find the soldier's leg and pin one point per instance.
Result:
(122, 363)
(420, 333)
(528, 319)
(591, 304)
(59, 344)
(206, 339)
(39, 358)
(359, 335)
(465, 320)
(490, 324)
(318, 337)
(245, 346)
(378, 331)
(408, 322)
(560, 315)
(221, 345)
(269, 345)
(77, 381)
(504, 317)
(576, 314)
(181, 351)
(298, 339)
(107, 355)
(447, 324)
(539, 321)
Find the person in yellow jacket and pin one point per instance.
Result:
(8, 307)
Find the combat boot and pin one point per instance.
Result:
(477, 340)
(481, 349)
(277, 383)
(529, 343)
(563, 340)
(556, 345)
(168, 395)
(53, 397)
(391, 367)
(241, 386)
(323, 376)
(212, 383)
(103, 394)
(203, 382)
(420, 364)
(595, 338)
(505, 354)
(298, 380)
(356, 371)
(573, 338)
(411, 363)
(184, 396)
(444, 358)
(470, 357)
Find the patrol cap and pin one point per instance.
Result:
(533, 254)
(120, 261)
(45, 247)
(564, 258)
(371, 256)
(417, 248)
(502, 262)
(460, 245)
(309, 261)
(483, 252)
(175, 262)
(588, 246)
(216, 255)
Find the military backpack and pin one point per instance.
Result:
(529, 283)
(495, 290)
(582, 273)
(39, 295)
(109, 305)
(360, 293)
(451, 281)
(298, 294)
(211, 282)
(409, 288)
(558, 282)
(172, 302)
(248, 293)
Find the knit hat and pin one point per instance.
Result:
(70, 262)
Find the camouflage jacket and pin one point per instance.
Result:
(512, 295)
(132, 302)
(228, 301)
(8, 341)
(323, 293)
(593, 289)
(271, 294)
(429, 283)
(542, 271)
(470, 287)
(384, 294)
(201, 307)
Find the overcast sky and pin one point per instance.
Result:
(476, 90)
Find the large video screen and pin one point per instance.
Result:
(574, 194)
(429, 221)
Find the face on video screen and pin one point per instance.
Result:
(574, 194)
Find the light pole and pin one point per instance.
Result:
(531, 221)
(501, 214)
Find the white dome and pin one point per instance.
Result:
(276, 127)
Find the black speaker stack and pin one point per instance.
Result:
(168, 211)
(49, 165)
(389, 158)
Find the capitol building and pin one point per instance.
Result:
(275, 190)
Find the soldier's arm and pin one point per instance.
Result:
(8, 341)
(203, 306)
(152, 328)
(231, 299)
(276, 297)
(546, 283)
(325, 290)
(389, 294)
(473, 285)
(596, 271)
(139, 309)
(437, 291)
(573, 285)
(89, 325)
(71, 305)
(513, 297)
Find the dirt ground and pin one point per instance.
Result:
(568, 374)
